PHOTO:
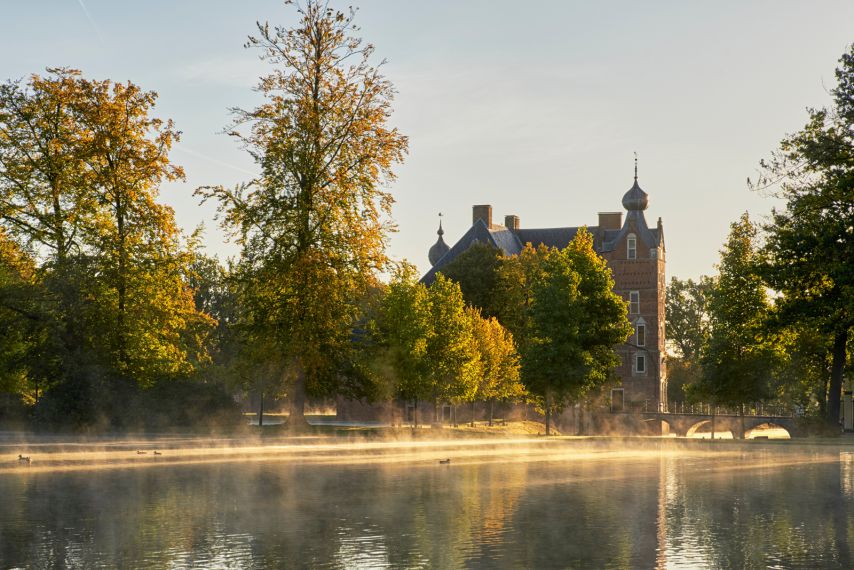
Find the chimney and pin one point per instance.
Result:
(610, 220)
(483, 212)
(511, 222)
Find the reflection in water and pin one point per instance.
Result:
(571, 504)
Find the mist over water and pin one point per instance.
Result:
(327, 503)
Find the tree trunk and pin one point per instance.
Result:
(491, 409)
(741, 418)
(548, 413)
(261, 411)
(296, 420)
(472, 414)
(838, 367)
(415, 414)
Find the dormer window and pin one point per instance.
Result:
(640, 335)
(632, 244)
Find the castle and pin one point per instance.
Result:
(636, 255)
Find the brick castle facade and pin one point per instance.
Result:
(636, 255)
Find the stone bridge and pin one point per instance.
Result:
(686, 425)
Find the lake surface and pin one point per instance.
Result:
(317, 503)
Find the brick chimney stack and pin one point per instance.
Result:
(511, 222)
(482, 212)
(610, 220)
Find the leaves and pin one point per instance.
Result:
(313, 225)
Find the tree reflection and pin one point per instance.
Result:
(709, 510)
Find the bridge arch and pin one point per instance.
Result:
(696, 427)
(723, 428)
(750, 431)
(657, 426)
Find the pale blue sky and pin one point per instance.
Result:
(534, 108)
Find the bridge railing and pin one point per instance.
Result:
(756, 409)
(702, 408)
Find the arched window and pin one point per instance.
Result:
(632, 243)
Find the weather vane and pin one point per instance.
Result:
(636, 168)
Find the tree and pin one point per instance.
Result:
(403, 329)
(687, 316)
(452, 356)
(810, 244)
(568, 317)
(134, 238)
(312, 225)
(44, 203)
(80, 165)
(476, 272)
(498, 373)
(23, 333)
(739, 357)
(687, 331)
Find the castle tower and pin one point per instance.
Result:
(636, 255)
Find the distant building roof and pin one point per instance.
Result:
(512, 241)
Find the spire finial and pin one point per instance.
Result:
(636, 166)
(441, 231)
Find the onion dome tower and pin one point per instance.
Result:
(439, 248)
(635, 199)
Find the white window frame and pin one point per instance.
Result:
(638, 359)
(640, 334)
(632, 246)
(634, 302)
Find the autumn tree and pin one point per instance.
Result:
(140, 258)
(313, 224)
(498, 370)
(44, 203)
(27, 365)
(81, 162)
(810, 242)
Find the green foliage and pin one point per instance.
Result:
(687, 318)
(404, 328)
(106, 297)
(476, 272)
(739, 358)
(312, 226)
(434, 348)
(687, 321)
(561, 308)
(810, 243)
(452, 354)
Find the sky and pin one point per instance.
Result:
(534, 108)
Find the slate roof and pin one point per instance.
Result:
(511, 242)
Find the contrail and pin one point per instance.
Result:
(92, 22)
(183, 148)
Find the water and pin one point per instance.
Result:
(515, 504)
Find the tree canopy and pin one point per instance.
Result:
(313, 225)
(810, 242)
(568, 318)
